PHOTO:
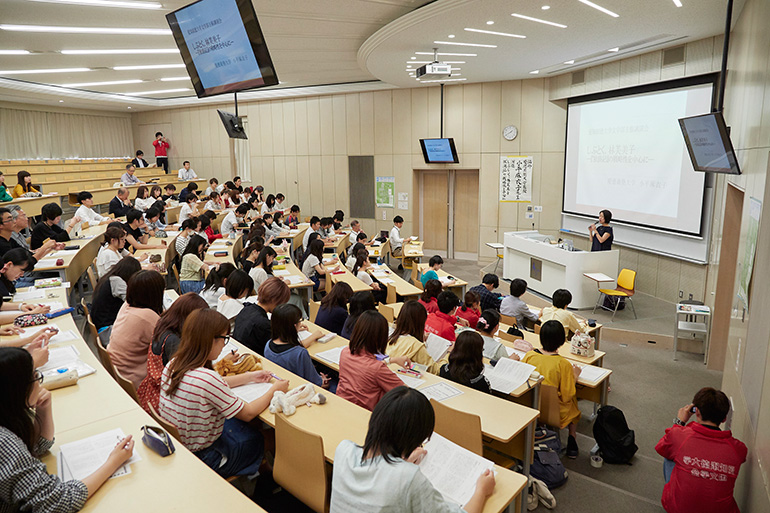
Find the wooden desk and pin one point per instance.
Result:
(459, 286)
(293, 270)
(346, 276)
(403, 288)
(595, 332)
(295, 236)
(412, 249)
(341, 242)
(32, 206)
(104, 195)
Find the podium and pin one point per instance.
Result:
(546, 267)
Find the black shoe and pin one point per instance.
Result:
(572, 448)
(400, 267)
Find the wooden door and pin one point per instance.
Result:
(434, 211)
(465, 226)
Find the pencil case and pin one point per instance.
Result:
(220, 253)
(61, 311)
(158, 440)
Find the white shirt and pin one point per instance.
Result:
(88, 215)
(308, 267)
(229, 307)
(106, 260)
(187, 174)
(212, 296)
(353, 236)
(144, 203)
(185, 212)
(395, 238)
(264, 209)
(350, 262)
(259, 276)
(212, 205)
(364, 277)
(306, 237)
(228, 224)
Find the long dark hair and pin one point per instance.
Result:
(124, 269)
(361, 258)
(217, 276)
(370, 333)
(410, 321)
(262, 259)
(401, 421)
(283, 323)
(466, 361)
(173, 318)
(270, 201)
(19, 257)
(20, 176)
(310, 238)
(316, 248)
(338, 296)
(193, 246)
(145, 290)
(432, 289)
(238, 283)
(16, 382)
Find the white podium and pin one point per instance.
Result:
(546, 267)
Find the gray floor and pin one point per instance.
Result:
(648, 386)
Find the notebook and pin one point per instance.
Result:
(508, 375)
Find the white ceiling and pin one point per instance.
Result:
(331, 42)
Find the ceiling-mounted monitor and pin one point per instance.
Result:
(708, 143)
(439, 151)
(222, 46)
(233, 125)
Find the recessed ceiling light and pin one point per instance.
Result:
(448, 54)
(495, 33)
(444, 80)
(408, 66)
(490, 23)
(111, 82)
(463, 44)
(148, 66)
(34, 71)
(175, 79)
(451, 36)
(569, 62)
(613, 49)
(120, 51)
(14, 52)
(677, 3)
(538, 20)
(128, 107)
(546, 7)
(86, 30)
(534, 72)
(106, 3)
(599, 8)
(423, 53)
(61, 101)
(159, 91)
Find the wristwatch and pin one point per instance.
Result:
(679, 422)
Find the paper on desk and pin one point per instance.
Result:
(63, 253)
(376, 243)
(281, 272)
(28, 332)
(410, 381)
(437, 346)
(331, 355)
(593, 373)
(84, 457)
(29, 294)
(444, 279)
(66, 357)
(385, 280)
(167, 302)
(512, 351)
(295, 280)
(252, 391)
(451, 469)
(302, 335)
(508, 375)
(64, 336)
(440, 391)
(172, 233)
(46, 262)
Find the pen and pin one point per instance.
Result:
(276, 377)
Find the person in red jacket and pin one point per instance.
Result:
(442, 322)
(161, 149)
(702, 461)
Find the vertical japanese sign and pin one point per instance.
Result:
(516, 178)
(755, 212)
(385, 191)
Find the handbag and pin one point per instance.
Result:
(582, 345)
(28, 320)
(158, 440)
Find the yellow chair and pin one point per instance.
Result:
(300, 467)
(549, 406)
(509, 320)
(387, 312)
(625, 289)
(314, 307)
(392, 297)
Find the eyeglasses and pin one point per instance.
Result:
(38, 376)
(6, 221)
(226, 338)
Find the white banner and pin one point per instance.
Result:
(516, 178)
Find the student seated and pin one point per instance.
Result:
(134, 237)
(466, 362)
(13, 265)
(189, 208)
(131, 334)
(129, 177)
(232, 220)
(192, 268)
(408, 337)
(24, 188)
(315, 226)
(286, 350)
(558, 312)
(513, 306)
(470, 310)
(110, 294)
(190, 189)
(252, 325)
(213, 421)
(442, 322)
(314, 268)
(396, 241)
(361, 270)
(355, 229)
(487, 326)
(239, 286)
(206, 229)
(166, 337)
(293, 218)
(360, 302)
(364, 375)
(333, 311)
(170, 192)
(85, 211)
(4, 196)
(249, 255)
(560, 373)
(383, 474)
(143, 201)
(215, 283)
(213, 187)
(27, 432)
(690, 449)
(489, 299)
(48, 228)
(435, 263)
(353, 256)
(268, 206)
(271, 230)
(428, 298)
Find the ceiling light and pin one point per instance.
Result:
(538, 20)
(613, 49)
(86, 30)
(14, 52)
(490, 23)
(495, 33)
(61, 101)
(569, 62)
(111, 82)
(451, 36)
(160, 91)
(430, 62)
(128, 107)
(463, 44)
(118, 51)
(106, 3)
(409, 66)
(534, 72)
(445, 80)
(546, 7)
(599, 8)
(448, 54)
(34, 71)
(678, 3)
(176, 79)
(148, 66)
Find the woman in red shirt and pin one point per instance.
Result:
(471, 310)
(429, 294)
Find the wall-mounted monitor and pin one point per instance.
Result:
(222, 46)
(709, 145)
(233, 125)
(439, 151)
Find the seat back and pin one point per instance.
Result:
(300, 467)
(127, 385)
(392, 296)
(387, 312)
(549, 406)
(91, 277)
(509, 320)
(415, 277)
(169, 427)
(627, 279)
(462, 428)
(103, 354)
(314, 307)
(537, 329)
(504, 335)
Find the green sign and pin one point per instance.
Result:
(385, 191)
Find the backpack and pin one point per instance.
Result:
(610, 302)
(616, 442)
(547, 466)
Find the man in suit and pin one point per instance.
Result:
(120, 204)
(139, 160)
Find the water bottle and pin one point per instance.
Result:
(379, 260)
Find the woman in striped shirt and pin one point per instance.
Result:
(212, 420)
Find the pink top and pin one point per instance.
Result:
(364, 379)
(130, 339)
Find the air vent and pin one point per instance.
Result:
(673, 56)
(578, 77)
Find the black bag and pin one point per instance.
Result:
(617, 443)
(515, 331)
(611, 301)
(547, 466)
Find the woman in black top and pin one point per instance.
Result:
(360, 302)
(601, 235)
(252, 326)
(334, 308)
(48, 227)
(168, 330)
(110, 292)
(466, 362)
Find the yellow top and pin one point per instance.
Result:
(566, 318)
(415, 350)
(18, 191)
(557, 372)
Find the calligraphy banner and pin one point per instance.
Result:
(516, 178)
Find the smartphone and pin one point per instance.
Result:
(692, 410)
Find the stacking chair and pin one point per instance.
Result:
(314, 307)
(625, 289)
(127, 385)
(549, 406)
(104, 357)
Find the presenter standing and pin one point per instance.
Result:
(601, 235)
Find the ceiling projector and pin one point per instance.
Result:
(434, 71)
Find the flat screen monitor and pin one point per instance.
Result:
(222, 46)
(439, 151)
(708, 143)
(233, 125)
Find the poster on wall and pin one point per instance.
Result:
(755, 211)
(385, 191)
(516, 178)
